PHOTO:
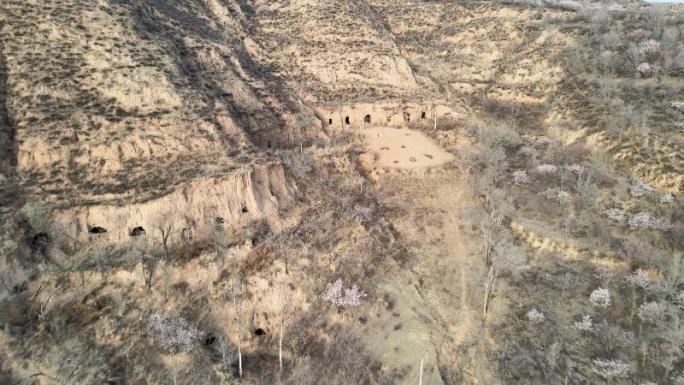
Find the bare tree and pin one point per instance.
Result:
(165, 226)
(420, 375)
(495, 209)
(283, 298)
(490, 282)
(147, 258)
(228, 353)
(236, 293)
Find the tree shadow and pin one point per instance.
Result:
(171, 25)
(8, 148)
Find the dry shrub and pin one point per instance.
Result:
(342, 361)
(577, 152)
(638, 252)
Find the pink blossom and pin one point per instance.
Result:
(652, 312)
(351, 297)
(173, 334)
(611, 368)
(546, 169)
(644, 221)
(535, 316)
(615, 215)
(600, 298)
(586, 324)
(650, 47)
(520, 177)
(640, 278)
(640, 188)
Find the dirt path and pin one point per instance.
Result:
(438, 313)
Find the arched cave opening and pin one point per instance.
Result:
(137, 231)
(367, 118)
(259, 332)
(330, 121)
(40, 242)
(245, 209)
(210, 340)
(97, 230)
(346, 120)
(423, 115)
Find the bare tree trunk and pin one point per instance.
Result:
(166, 233)
(487, 239)
(420, 376)
(43, 306)
(237, 290)
(489, 288)
(280, 347)
(240, 352)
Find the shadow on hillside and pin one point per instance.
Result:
(8, 150)
(172, 24)
(530, 116)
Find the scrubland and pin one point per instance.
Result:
(546, 250)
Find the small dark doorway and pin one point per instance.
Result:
(367, 118)
(330, 121)
(210, 340)
(423, 115)
(40, 242)
(137, 231)
(346, 120)
(260, 332)
(268, 144)
(97, 230)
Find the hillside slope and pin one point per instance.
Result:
(340, 192)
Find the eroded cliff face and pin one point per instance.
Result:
(103, 106)
(191, 211)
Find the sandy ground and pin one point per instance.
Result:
(403, 148)
(434, 302)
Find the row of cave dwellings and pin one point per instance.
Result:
(140, 231)
(367, 118)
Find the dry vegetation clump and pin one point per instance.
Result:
(132, 112)
(548, 252)
(165, 314)
(625, 92)
(598, 300)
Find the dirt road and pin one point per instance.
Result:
(434, 301)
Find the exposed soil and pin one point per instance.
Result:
(435, 302)
(403, 148)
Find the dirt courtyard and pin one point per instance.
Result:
(403, 148)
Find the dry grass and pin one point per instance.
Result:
(124, 101)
